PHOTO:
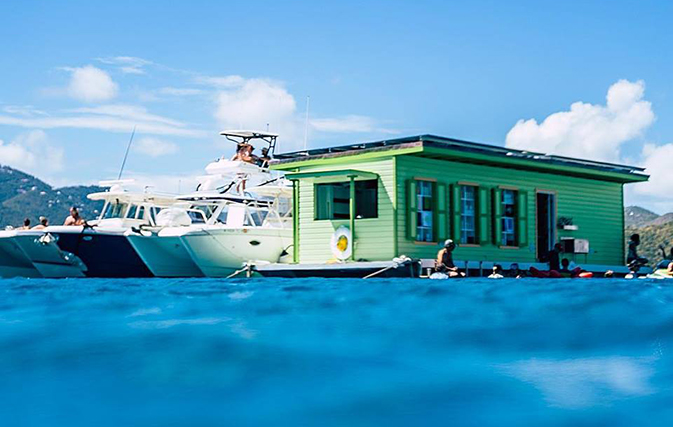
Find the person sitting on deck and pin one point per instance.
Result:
(566, 271)
(632, 259)
(264, 159)
(497, 272)
(444, 263)
(74, 218)
(44, 223)
(26, 224)
(515, 272)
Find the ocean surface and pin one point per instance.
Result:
(326, 352)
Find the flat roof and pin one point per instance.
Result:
(498, 154)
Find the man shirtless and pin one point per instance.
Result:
(444, 263)
(74, 218)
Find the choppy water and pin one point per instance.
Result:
(159, 352)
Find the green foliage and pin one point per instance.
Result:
(24, 196)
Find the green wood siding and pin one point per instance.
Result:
(374, 237)
(595, 206)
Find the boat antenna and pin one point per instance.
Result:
(308, 102)
(128, 147)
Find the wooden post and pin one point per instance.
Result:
(352, 216)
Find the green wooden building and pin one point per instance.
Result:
(407, 195)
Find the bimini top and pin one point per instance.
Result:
(464, 151)
(248, 134)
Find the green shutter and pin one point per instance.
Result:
(484, 220)
(412, 228)
(497, 216)
(441, 229)
(455, 205)
(522, 211)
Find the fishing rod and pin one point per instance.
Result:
(128, 148)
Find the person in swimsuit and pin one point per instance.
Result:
(497, 272)
(44, 223)
(74, 218)
(26, 224)
(444, 263)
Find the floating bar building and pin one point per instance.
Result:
(407, 195)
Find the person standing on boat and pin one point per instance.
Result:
(444, 263)
(74, 218)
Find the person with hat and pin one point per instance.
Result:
(444, 263)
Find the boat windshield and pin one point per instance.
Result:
(196, 216)
(114, 210)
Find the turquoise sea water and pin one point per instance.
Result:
(318, 352)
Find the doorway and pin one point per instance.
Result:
(545, 220)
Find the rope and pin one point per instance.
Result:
(397, 262)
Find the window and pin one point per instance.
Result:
(333, 200)
(468, 229)
(508, 205)
(424, 213)
(131, 213)
(196, 216)
(114, 210)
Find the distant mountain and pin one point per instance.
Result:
(635, 216)
(24, 196)
(663, 219)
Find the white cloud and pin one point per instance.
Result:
(127, 64)
(33, 153)
(656, 193)
(134, 112)
(178, 91)
(23, 110)
(155, 147)
(254, 103)
(221, 81)
(111, 118)
(91, 84)
(587, 130)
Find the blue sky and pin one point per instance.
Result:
(77, 76)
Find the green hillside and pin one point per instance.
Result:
(22, 195)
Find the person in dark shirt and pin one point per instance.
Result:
(554, 258)
(444, 263)
(632, 258)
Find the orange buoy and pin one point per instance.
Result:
(586, 275)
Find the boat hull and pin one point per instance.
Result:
(219, 252)
(105, 253)
(48, 258)
(13, 260)
(164, 256)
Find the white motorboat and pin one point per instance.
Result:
(252, 231)
(160, 246)
(245, 216)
